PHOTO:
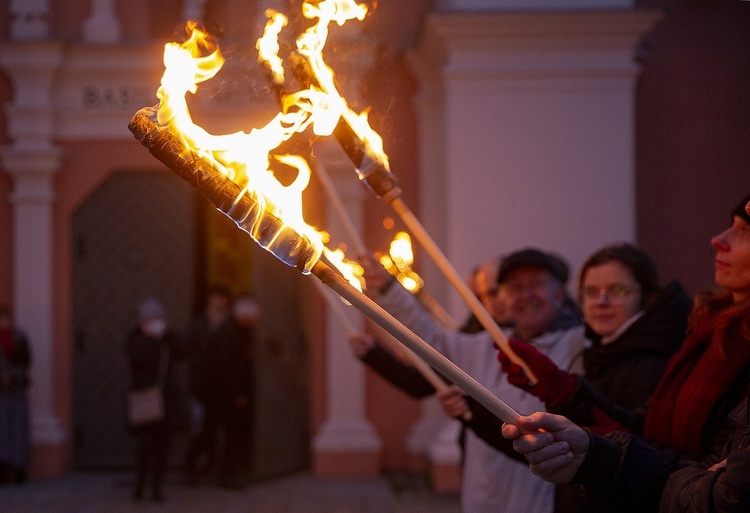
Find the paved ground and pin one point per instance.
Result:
(299, 493)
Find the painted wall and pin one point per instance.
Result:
(692, 126)
(692, 118)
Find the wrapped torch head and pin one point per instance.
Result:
(227, 196)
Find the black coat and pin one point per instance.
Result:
(623, 473)
(144, 356)
(231, 363)
(624, 373)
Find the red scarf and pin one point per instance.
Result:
(7, 344)
(695, 380)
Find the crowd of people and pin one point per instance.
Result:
(642, 403)
(212, 401)
(641, 400)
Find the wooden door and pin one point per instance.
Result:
(132, 238)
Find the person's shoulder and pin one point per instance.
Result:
(571, 335)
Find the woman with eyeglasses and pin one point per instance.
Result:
(695, 452)
(634, 326)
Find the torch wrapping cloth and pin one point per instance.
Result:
(370, 168)
(271, 233)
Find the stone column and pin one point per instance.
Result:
(32, 160)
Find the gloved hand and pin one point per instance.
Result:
(554, 386)
(603, 423)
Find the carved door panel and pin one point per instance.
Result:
(281, 428)
(280, 435)
(132, 238)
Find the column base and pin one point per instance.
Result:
(346, 464)
(346, 447)
(446, 477)
(445, 459)
(49, 461)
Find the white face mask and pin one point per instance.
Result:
(155, 328)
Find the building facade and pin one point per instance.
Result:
(563, 125)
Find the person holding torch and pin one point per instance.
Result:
(492, 481)
(688, 459)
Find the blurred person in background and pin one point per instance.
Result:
(200, 459)
(232, 370)
(15, 358)
(154, 350)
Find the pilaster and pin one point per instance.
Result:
(32, 161)
(346, 443)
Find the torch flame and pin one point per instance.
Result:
(352, 271)
(310, 44)
(401, 250)
(268, 44)
(242, 157)
(246, 157)
(398, 262)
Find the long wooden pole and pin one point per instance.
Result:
(338, 205)
(429, 354)
(354, 237)
(483, 316)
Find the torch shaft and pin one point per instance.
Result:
(322, 173)
(483, 316)
(441, 315)
(385, 337)
(415, 361)
(429, 354)
(337, 307)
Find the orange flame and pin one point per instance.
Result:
(243, 157)
(352, 271)
(268, 44)
(246, 157)
(399, 260)
(310, 44)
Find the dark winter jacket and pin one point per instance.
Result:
(624, 473)
(144, 357)
(628, 369)
(406, 377)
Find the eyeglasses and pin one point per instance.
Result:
(613, 293)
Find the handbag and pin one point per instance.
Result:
(146, 405)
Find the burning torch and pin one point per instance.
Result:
(360, 142)
(232, 172)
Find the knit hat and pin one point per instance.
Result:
(740, 210)
(531, 257)
(151, 308)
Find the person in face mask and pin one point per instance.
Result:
(154, 354)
